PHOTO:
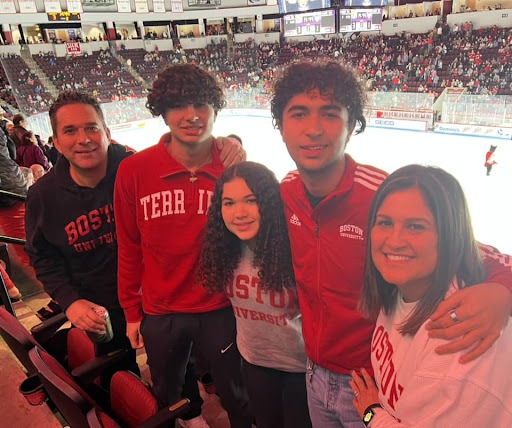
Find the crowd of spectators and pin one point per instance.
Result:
(148, 64)
(478, 60)
(24, 85)
(465, 9)
(99, 73)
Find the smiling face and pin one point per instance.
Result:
(83, 139)
(240, 211)
(315, 130)
(191, 124)
(404, 242)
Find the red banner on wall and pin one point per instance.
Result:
(73, 48)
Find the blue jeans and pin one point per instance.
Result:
(330, 399)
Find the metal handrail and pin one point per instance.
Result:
(11, 240)
(5, 298)
(13, 195)
(4, 295)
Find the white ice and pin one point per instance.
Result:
(489, 200)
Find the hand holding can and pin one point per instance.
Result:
(107, 334)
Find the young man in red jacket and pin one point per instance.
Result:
(70, 227)
(162, 195)
(317, 107)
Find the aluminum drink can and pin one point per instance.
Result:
(108, 334)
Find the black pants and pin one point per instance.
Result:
(168, 340)
(277, 399)
(119, 341)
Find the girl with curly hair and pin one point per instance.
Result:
(247, 255)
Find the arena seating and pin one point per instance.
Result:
(5, 88)
(132, 403)
(478, 60)
(99, 73)
(29, 91)
(148, 64)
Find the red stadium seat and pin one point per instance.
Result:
(133, 404)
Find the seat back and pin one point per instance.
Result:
(80, 348)
(18, 339)
(69, 398)
(134, 405)
(131, 399)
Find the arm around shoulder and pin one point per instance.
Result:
(483, 309)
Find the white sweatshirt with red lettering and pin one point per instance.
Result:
(419, 388)
(269, 324)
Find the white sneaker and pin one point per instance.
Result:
(197, 422)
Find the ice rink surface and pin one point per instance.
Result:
(489, 198)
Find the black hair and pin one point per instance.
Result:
(222, 249)
(331, 78)
(183, 84)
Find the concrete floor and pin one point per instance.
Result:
(17, 413)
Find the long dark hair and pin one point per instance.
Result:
(458, 254)
(222, 249)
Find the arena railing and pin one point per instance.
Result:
(6, 300)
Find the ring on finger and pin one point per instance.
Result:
(454, 317)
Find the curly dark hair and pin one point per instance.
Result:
(222, 250)
(74, 97)
(328, 77)
(182, 84)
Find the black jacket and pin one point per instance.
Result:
(71, 235)
(11, 177)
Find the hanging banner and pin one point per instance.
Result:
(7, 6)
(124, 6)
(52, 6)
(27, 6)
(176, 6)
(141, 6)
(73, 48)
(158, 6)
(97, 4)
(74, 6)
